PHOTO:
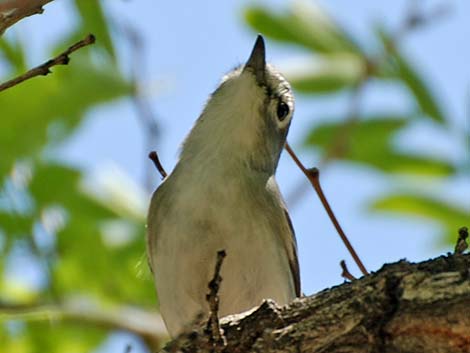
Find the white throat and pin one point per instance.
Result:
(230, 123)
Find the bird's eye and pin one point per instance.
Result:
(282, 110)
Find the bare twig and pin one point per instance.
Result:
(45, 69)
(12, 11)
(461, 244)
(346, 274)
(313, 176)
(156, 161)
(217, 340)
(340, 141)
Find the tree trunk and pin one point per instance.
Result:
(404, 307)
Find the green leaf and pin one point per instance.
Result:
(85, 245)
(59, 184)
(327, 73)
(15, 225)
(424, 97)
(90, 274)
(93, 20)
(402, 69)
(424, 206)
(51, 336)
(83, 234)
(13, 52)
(302, 24)
(29, 109)
(450, 216)
(369, 141)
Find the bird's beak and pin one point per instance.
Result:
(257, 61)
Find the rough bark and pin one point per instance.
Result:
(12, 11)
(403, 307)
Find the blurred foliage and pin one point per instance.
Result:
(83, 243)
(368, 140)
(78, 235)
(338, 64)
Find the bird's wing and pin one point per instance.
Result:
(288, 238)
(293, 259)
(153, 218)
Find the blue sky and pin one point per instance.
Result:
(190, 45)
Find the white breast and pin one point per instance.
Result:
(203, 220)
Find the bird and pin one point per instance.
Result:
(222, 195)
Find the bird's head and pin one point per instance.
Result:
(246, 119)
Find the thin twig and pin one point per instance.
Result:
(461, 244)
(45, 69)
(340, 141)
(12, 11)
(346, 274)
(156, 161)
(217, 340)
(313, 176)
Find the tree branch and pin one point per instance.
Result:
(12, 11)
(145, 324)
(404, 307)
(216, 341)
(45, 69)
(313, 176)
